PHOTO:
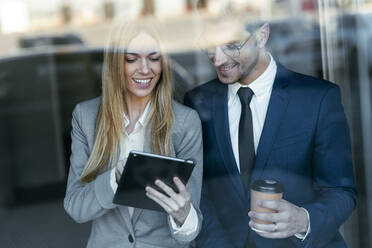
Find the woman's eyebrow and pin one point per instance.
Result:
(136, 54)
(154, 53)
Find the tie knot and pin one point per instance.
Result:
(245, 95)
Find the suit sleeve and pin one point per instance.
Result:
(90, 201)
(212, 233)
(333, 177)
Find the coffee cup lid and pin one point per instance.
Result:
(267, 185)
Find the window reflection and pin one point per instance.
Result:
(51, 55)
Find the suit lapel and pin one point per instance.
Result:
(277, 108)
(222, 133)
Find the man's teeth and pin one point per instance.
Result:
(142, 81)
(226, 67)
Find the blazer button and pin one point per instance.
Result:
(130, 238)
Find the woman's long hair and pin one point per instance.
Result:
(110, 121)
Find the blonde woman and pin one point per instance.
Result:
(135, 112)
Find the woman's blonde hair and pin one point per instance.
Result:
(110, 121)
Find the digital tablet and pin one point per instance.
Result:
(141, 170)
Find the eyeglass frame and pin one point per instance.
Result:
(224, 48)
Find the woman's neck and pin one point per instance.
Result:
(134, 107)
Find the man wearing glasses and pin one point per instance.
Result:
(263, 121)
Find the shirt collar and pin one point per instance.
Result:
(261, 85)
(144, 118)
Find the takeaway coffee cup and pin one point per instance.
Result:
(266, 189)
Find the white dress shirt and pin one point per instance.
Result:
(262, 88)
(135, 141)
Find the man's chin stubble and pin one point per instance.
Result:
(223, 80)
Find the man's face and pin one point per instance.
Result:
(235, 61)
(236, 56)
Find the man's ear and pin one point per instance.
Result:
(262, 35)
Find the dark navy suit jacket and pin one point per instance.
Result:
(305, 144)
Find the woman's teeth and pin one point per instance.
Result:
(142, 81)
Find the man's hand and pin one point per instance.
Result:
(287, 221)
(177, 205)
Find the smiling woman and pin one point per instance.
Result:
(130, 56)
(136, 112)
(142, 66)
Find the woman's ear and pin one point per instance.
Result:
(262, 35)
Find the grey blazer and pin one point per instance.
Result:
(111, 223)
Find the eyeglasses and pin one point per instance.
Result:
(231, 49)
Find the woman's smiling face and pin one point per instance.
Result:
(143, 66)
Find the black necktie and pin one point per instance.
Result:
(246, 142)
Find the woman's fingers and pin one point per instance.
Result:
(162, 198)
(119, 169)
(179, 199)
(174, 201)
(177, 205)
(120, 166)
(160, 202)
(117, 175)
(165, 187)
(181, 188)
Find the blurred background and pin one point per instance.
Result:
(51, 54)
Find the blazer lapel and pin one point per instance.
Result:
(277, 108)
(222, 133)
(125, 214)
(124, 210)
(146, 148)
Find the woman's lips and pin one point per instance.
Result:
(142, 83)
